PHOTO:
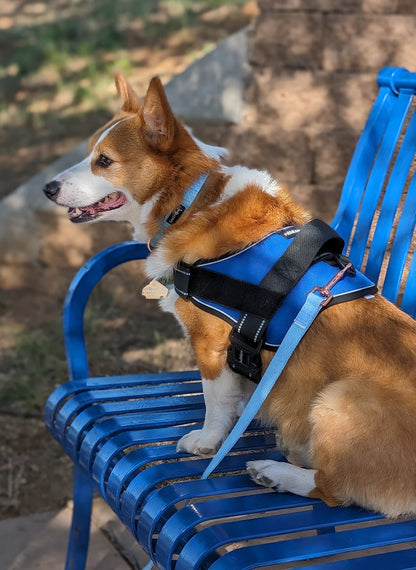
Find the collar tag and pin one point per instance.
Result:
(155, 290)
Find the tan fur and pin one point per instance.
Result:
(346, 401)
(231, 226)
(209, 338)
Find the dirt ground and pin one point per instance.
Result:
(124, 335)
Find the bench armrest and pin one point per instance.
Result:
(78, 295)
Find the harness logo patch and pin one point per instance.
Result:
(288, 232)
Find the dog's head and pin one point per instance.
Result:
(144, 155)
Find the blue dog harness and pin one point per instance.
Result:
(260, 290)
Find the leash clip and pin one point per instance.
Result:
(325, 290)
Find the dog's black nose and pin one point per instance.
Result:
(52, 189)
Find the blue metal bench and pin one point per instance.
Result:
(121, 432)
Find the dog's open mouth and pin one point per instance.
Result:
(91, 212)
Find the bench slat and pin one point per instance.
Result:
(310, 547)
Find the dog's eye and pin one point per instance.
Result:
(103, 161)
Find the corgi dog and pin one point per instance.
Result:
(345, 405)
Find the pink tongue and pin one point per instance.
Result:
(108, 205)
(102, 206)
(89, 209)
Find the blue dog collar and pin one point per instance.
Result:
(188, 198)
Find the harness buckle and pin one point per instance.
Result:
(325, 290)
(244, 356)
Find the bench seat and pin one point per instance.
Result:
(121, 431)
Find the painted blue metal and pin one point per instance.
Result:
(401, 245)
(78, 295)
(357, 176)
(315, 547)
(377, 177)
(80, 525)
(205, 543)
(390, 204)
(182, 525)
(399, 560)
(121, 431)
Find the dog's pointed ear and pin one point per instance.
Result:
(158, 119)
(130, 101)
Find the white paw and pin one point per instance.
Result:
(197, 443)
(264, 472)
(282, 477)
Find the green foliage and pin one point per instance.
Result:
(95, 27)
(67, 59)
(37, 364)
(158, 338)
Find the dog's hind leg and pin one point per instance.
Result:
(362, 445)
(282, 477)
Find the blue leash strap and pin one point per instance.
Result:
(318, 298)
(297, 330)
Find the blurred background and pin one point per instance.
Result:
(57, 61)
(311, 80)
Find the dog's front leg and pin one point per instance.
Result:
(225, 398)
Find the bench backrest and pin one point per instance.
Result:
(377, 212)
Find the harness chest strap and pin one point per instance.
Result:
(264, 298)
